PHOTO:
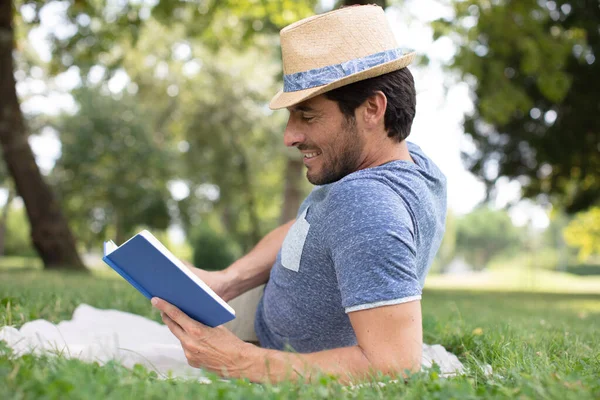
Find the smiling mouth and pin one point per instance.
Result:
(308, 156)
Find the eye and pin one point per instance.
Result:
(307, 118)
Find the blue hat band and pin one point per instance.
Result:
(331, 73)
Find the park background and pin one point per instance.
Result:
(121, 115)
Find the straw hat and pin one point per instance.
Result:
(330, 50)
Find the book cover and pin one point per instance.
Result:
(154, 271)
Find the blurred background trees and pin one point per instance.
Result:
(163, 123)
(113, 171)
(583, 233)
(50, 233)
(190, 89)
(484, 234)
(532, 68)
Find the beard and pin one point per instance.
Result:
(344, 160)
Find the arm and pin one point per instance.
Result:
(253, 269)
(389, 340)
(249, 271)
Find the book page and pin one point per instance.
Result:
(109, 247)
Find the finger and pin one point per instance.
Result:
(185, 322)
(173, 327)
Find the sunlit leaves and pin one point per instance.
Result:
(532, 66)
(483, 234)
(231, 22)
(583, 233)
(199, 76)
(113, 169)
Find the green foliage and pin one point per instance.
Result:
(213, 251)
(539, 346)
(584, 269)
(94, 30)
(229, 143)
(483, 234)
(233, 21)
(583, 233)
(235, 145)
(182, 250)
(113, 169)
(545, 258)
(17, 239)
(214, 112)
(532, 65)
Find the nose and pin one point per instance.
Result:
(292, 136)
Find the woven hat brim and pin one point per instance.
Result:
(287, 99)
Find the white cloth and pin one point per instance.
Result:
(104, 335)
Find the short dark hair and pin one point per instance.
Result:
(399, 88)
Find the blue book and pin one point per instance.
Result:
(152, 269)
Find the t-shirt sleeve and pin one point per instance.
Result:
(370, 236)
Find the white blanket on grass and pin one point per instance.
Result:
(104, 335)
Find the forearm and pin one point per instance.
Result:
(347, 363)
(254, 268)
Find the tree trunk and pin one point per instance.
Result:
(254, 235)
(119, 232)
(4, 218)
(292, 195)
(50, 233)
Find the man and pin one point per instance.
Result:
(344, 280)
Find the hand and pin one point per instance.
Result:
(215, 349)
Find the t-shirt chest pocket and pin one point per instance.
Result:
(293, 244)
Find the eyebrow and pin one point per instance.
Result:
(302, 108)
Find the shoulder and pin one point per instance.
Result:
(365, 203)
(429, 172)
(361, 188)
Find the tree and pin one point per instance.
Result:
(113, 171)
(533, 69)
(18, 240)
(50, 232)
(483, 234)
(583, 233)
(198, 107)
(213, 251)
(251, 19)
(107, 37)
(234, 146)
(236, 22)
(5, 182)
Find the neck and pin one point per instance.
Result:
(384, 152)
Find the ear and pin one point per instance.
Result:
(374, 110)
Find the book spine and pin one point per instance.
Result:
(126, 277)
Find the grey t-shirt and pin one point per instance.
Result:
(364, 241)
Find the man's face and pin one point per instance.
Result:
(329, 142)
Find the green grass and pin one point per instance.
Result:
(539, 345)
(17, 262)
(517, 278)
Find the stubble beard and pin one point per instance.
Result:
(347, 157)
